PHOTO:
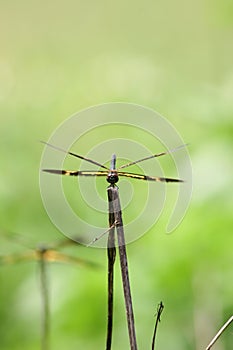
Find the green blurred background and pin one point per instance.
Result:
(175, 57)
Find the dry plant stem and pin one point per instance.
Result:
(45, 302)
(158, 314)
(111, 251)
(114, 198)
(213, 341)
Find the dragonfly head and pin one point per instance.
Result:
(112, 177)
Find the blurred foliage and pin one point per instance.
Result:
(175, 57)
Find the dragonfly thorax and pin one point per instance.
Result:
(112, 177)
(42, 250)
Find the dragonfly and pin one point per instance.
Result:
(43, 254)
(112, 176)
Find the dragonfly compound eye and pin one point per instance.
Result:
(112, 178)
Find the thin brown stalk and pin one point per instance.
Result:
(213, 341)
(111, 251)
(158, 315)
(45, 305)
(114, 198)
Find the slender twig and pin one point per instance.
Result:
(45, 304)
(101, 235)
(213, 341)
(158, 315)
(114, 198)
(111, 251)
